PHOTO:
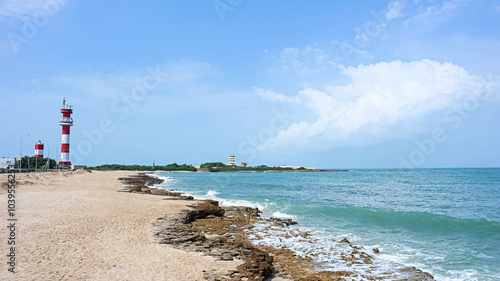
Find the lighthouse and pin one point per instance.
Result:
(39, 149)
(66, 122)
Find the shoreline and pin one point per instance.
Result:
(239, 223)
(78, 225)
(250, 171)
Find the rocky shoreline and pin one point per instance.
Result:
(228, 233)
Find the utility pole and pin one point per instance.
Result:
(29, 168)
(20, 150)
(48, 155)
(47, 164)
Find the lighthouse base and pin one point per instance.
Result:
(65, 163)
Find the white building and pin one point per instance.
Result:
(232, 160)
(6, 161)
(76, 167)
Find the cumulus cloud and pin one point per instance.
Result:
(377, 97)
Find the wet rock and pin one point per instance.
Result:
(345, 241)
(203, 210)
(283, 222)
(222, 232)
(414, 274)
(225, 241)
(142, 183)
(136, 183)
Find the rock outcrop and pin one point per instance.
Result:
(228, 233)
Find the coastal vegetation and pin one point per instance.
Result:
(169, 167)
(221, 167)
(209, 166)
(30, 163)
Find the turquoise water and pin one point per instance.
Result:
(443, 221)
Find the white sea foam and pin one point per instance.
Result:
(459, 275)
(396, 249)
(281, 215)
(167, 181)
(268, 208)
(165, 178)
(212, 193)
(326, 249)
(324, 246)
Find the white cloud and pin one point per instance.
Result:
(429, 15)
(272, 96)
(307, 61)
(394, 9)
(16, 9)
(378, 97)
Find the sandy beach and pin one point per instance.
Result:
(77, 226)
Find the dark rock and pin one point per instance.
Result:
(415, 274)
(345, 241)
(222, 232)
(185, 231)
(138, 182)
(282, 222)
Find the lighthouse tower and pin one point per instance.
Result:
(39, 149)
(66, 121)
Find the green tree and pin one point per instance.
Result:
(212, 165)
(30, 163)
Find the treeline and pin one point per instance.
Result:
(28, 162)
(221, 167)
(169, 167)
(211, 166)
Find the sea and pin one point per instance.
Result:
(443, 221)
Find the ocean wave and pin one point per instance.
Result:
(419, 221)
(211, 193)
(283, 215)
(165, 178)
(448, 247)
(268, 208)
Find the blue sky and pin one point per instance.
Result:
(330, 84)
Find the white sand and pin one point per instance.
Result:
(76, 226)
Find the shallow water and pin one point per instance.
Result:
(443, 221)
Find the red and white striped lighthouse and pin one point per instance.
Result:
(66, 121)
(39, 149)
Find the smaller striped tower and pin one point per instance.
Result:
(39, 149)
(66, 122)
